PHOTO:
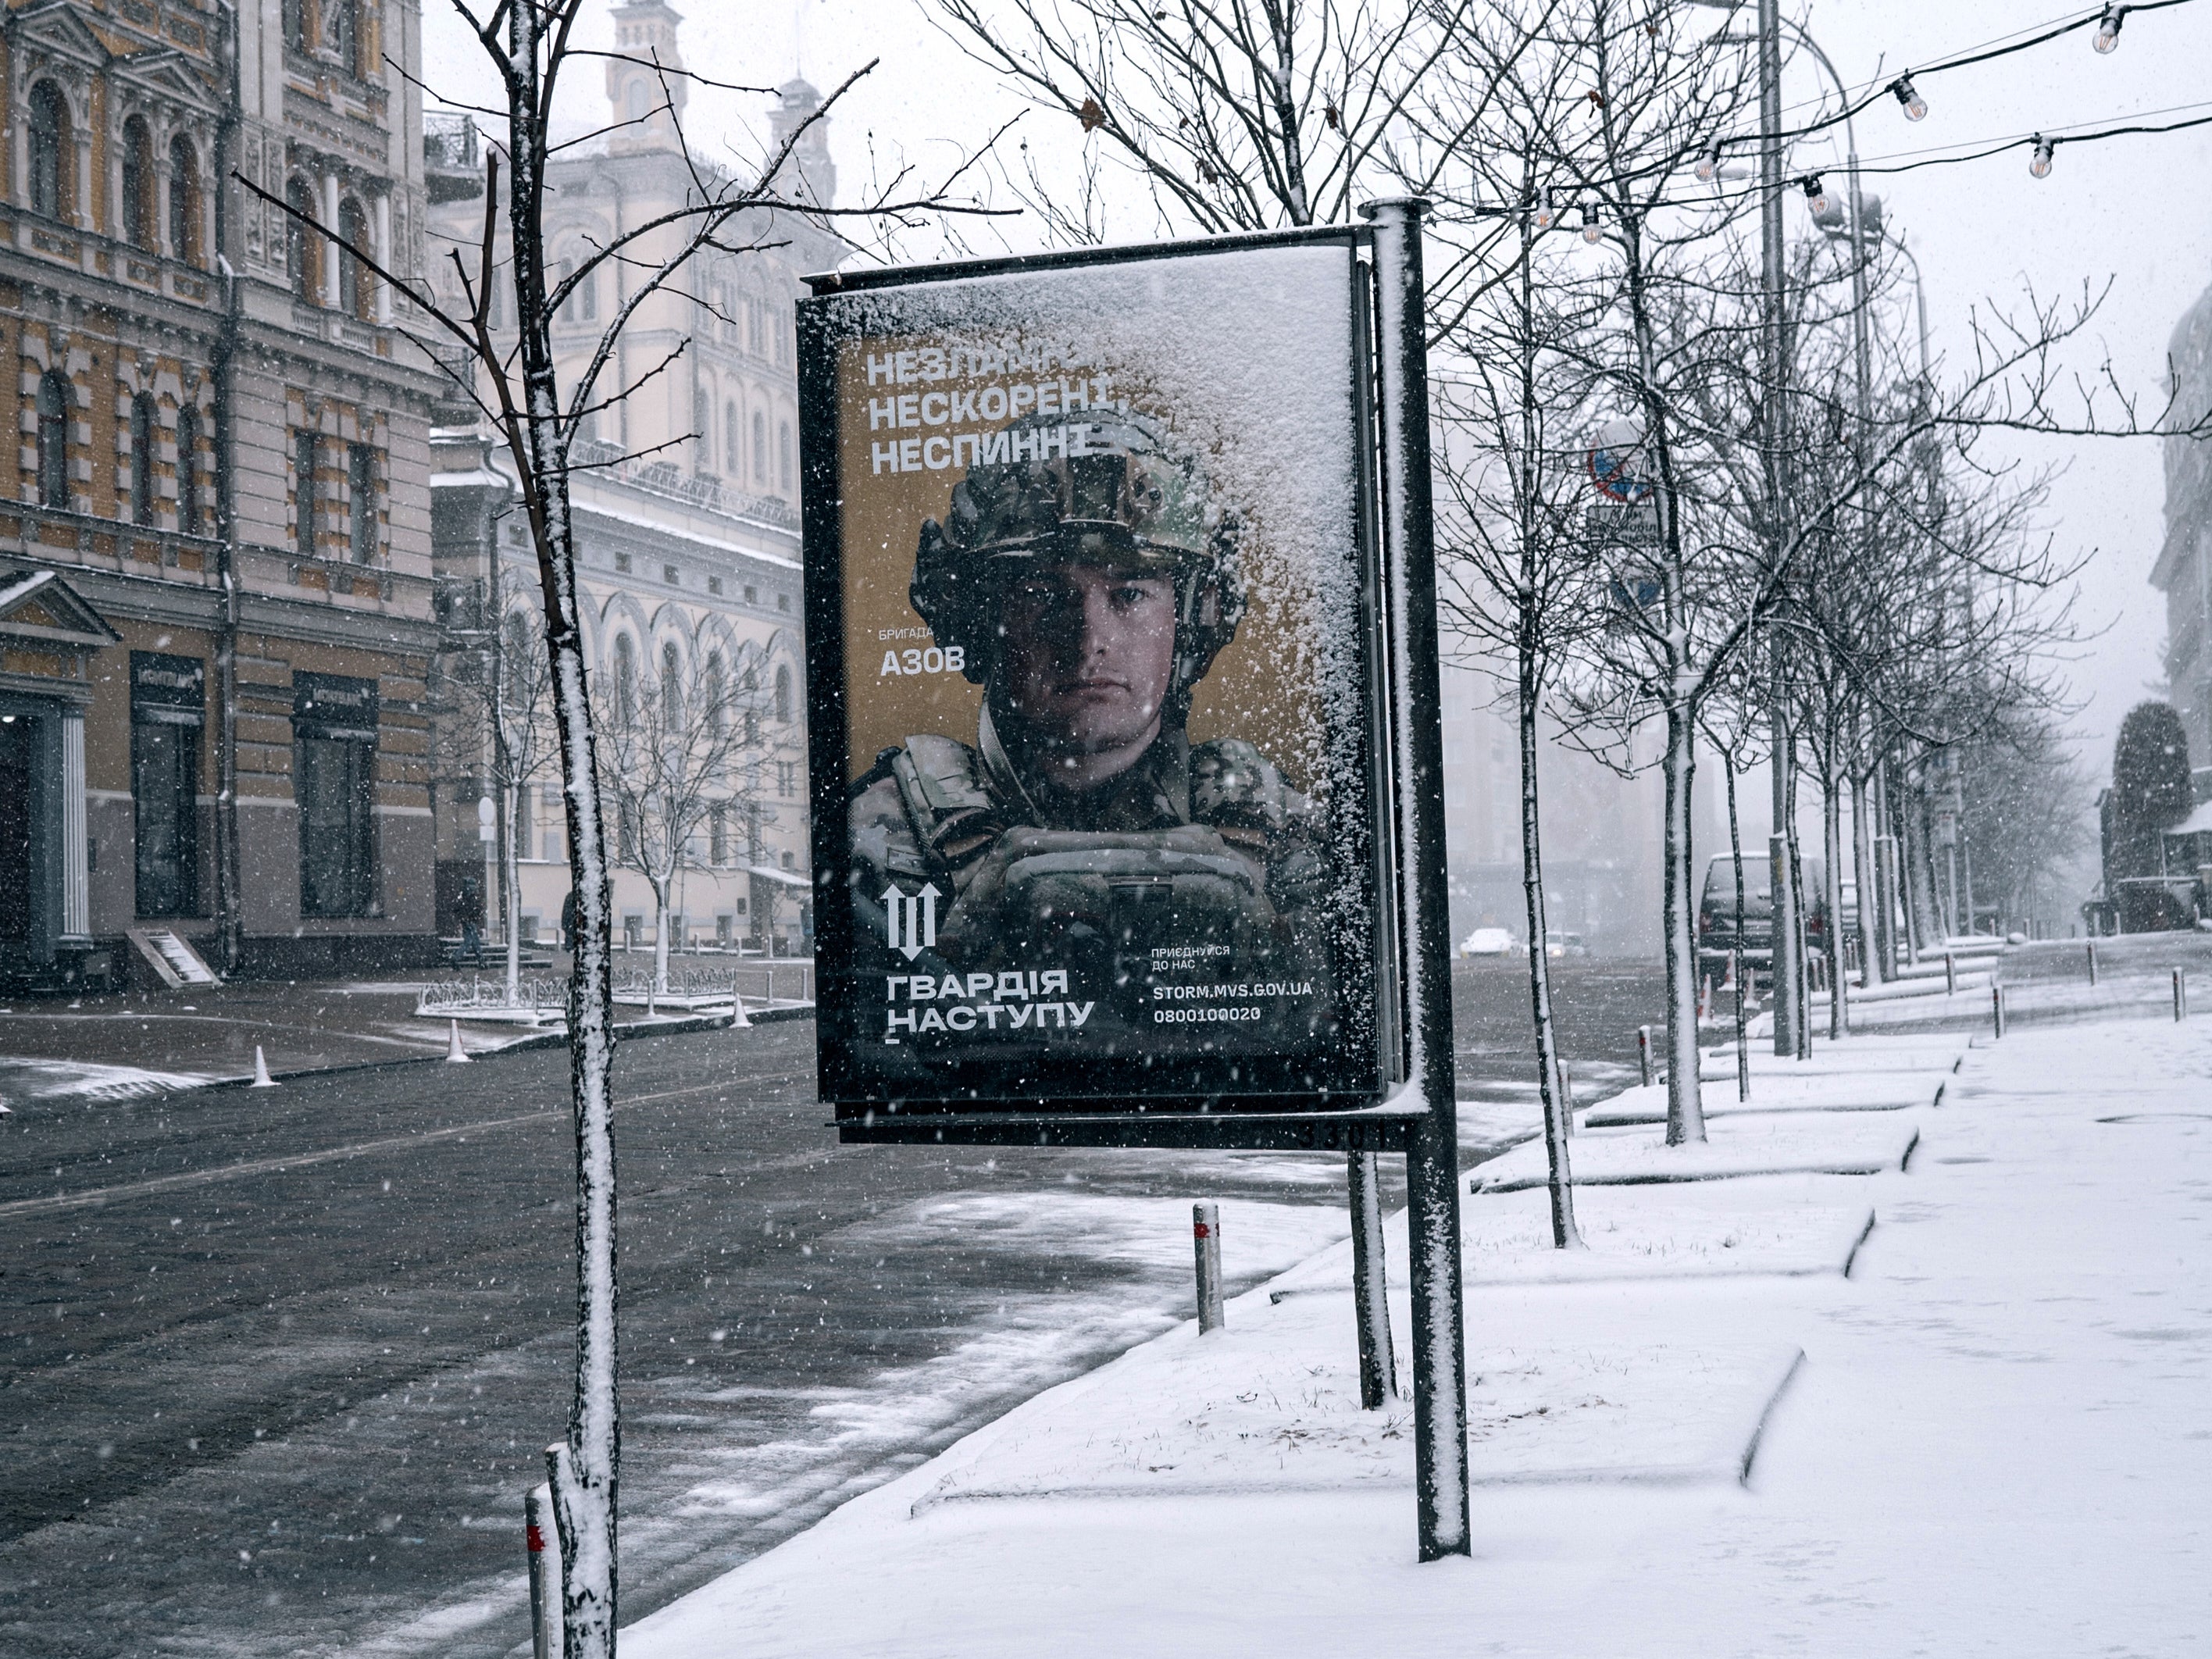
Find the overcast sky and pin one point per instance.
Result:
(2131, 211)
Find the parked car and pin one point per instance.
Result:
(1716, 931)
(1487, 942)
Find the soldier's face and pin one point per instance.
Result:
(1088, 653)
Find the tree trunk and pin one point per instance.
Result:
(1794, 865)
(1685, 1114)
(662, 914)
(1738, 970)
(1832, 842)
(1564, 1234)
(1920, 870)
(510, 876)
(1788, 988)
(1863, 873)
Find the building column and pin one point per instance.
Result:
(76, 879)
(331, 253)
(383, 254)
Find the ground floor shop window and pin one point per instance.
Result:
(334, 782)
(165, 763)
(168, 703)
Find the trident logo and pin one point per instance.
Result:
(913, 921)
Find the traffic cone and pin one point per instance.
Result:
(261, 1078)
(738, 1021)
(455, 1055)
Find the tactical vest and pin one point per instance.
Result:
(958, 809)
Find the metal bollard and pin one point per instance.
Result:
(1206, 1246)
(1950, 975)
(1644, 1051)
(2092, 961)
(2180, 994)
(1996, 1008)
(544, 1542)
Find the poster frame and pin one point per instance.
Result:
(1378, 1116)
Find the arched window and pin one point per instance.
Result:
(137, 225)
(342, 25)
(783, 455)
(585, 299)
(671, 689)
(702, 434)
(188, 470)
(520, 649)
(750, 715)
(50, 154)
(184, 200)
(303, 248)
(144, 426)
(711, 689)
(54, 399)
(730, 442)
(356, 289)
(641, 99)
(760, 447)
(783, 693)
(625, 680)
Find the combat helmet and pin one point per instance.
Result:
(1130, 496)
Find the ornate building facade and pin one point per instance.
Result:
(687, 518)
(215, 563)
(2184, 570)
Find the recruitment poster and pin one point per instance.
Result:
(1093, 683)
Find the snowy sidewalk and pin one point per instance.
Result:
(1990, 1437)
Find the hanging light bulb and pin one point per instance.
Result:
(2108, 29)
(1709, 165)
(1816, 193)
(1916, 106)
(1548, 215)
(2040, 165)
(1593, 232)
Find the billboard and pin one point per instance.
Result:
(1094, 684)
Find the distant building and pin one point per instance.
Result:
(689, 552)
(2184, 570)
(215, 560)
(1602, 874)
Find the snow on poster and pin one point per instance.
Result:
(1092, 675)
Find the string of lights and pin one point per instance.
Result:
(1552, 206)
(2108, 21)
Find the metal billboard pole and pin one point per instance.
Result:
(1417, 736)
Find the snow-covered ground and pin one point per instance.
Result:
(1701, 1439)
(23, 1078)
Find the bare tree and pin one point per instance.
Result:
(496, 697)
(677, 750)
(502, 356)
(1258, 117)
(1515, 587)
